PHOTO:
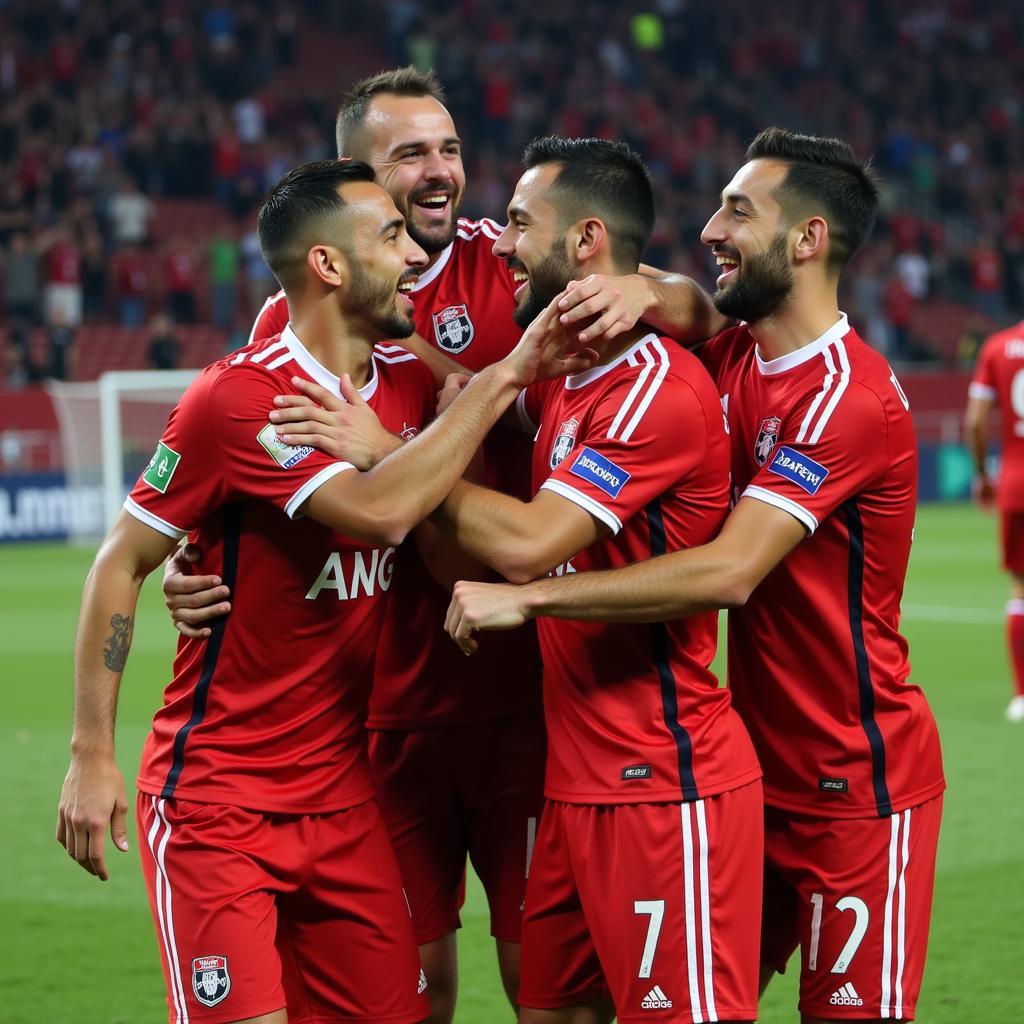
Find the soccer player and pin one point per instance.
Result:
(811, 562)
(457, 747)
(998, 383)
(269, 870)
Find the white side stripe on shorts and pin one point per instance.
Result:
(899, 857)
(165, 910)
(699, 1010)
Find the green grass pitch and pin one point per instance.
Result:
(75, 951)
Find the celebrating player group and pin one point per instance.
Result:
(569, 461)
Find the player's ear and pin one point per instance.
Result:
(590, 237)
(811, 239)
(328, 264)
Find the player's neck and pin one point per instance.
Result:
(799, 322)
(623, 343)
(337, 345)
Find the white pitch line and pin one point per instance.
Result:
(941, 613)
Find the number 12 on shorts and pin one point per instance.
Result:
(656, 910)
(860, 927)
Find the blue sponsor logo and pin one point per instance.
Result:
(599, 471)
(804, 472)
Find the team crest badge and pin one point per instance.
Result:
(564, 441)
(453, 328)
(210, 979)
(766, 438)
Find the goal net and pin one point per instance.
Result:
(108, 430)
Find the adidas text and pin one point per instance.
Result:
(656, 1000)
(846, 996)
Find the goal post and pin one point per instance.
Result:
(109, 428)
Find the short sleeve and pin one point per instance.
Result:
(530, 403)
(220, 446)
(825, 456)
(636, 445)
(983, 383)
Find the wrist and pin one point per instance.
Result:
(503, 377)
(92, 749)
(531, 598)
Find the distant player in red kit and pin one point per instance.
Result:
(999, 383)
(811, 563)
(270, 873)
(457, 747)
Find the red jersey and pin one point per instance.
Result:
(634, 714)
(268, 712)
(999, 377)
(64, 263)
(817, 666)
(463, 307)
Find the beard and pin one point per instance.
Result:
(432, 238)
(375, 299)
(763, 283)
(547, 279)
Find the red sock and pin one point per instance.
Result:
(1015, 642)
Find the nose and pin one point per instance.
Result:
(416, 257)
(713, 230)
(504, 246)
(436, 167)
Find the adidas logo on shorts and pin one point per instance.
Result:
(846, 996)
(656, 1000)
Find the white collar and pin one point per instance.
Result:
(431, 273)
(319, 372)
(579, 380)
(770, 367)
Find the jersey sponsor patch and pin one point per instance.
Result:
(210, 979)
(161, 467)
(599, 471)
(564, 441)
(804, 472)
(827, 785)
(767, 435)
(453, 329)
(637, 771)
(285, 455)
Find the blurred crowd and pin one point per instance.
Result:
(109, 108)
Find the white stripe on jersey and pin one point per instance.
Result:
(269, 351)
(643, 391)
(403, 358)
(280, 361)
(840, 379)
(901, 920)
(705, 912)
(272, 300)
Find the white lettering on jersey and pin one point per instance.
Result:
(363, 577)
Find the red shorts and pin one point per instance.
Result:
(856, 896)
(256, 911)
(453, 791)
(656, 906)
(1011, 532)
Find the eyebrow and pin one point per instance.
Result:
(517, 212)
(392, 225)
(736, 197)
(421, 143)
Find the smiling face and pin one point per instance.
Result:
(533, 246)
(383, 260)
(411, 144)
(748, 238)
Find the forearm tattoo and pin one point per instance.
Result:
(115, 654)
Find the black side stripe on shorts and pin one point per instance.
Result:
(659, 645)
(232, 532)
(855, 528)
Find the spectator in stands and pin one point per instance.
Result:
(223, 278)
(899, 308)
(94, 277)
(164, 350)
(129, 212)
(62, 297)
(132, 283)
(259, 280)
(60, 342)
(987, 276)
(181, 282)
(20, 265)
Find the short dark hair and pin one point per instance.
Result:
(601, 178)
(824, 177)
(301, 199)
(407, 81)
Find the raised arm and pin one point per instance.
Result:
(93, 797)
(720, 574)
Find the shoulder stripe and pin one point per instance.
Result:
(390, 347)
(979, 390)
(268, 351)
(826, 387)
(832, 388)
(280, 361)
(662, 362)
(643, 391)
(404, 358)
(844, 382)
